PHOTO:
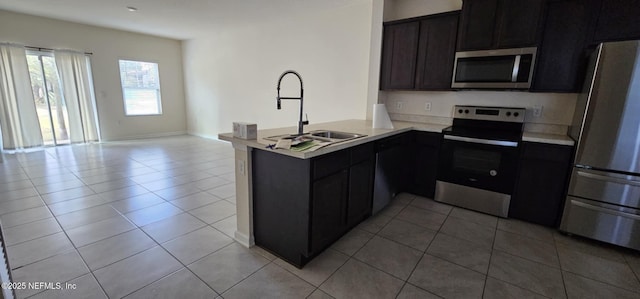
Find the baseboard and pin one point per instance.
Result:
(147, 136)
(206, 136)
(244, 240)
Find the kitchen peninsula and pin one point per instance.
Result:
(287, 173)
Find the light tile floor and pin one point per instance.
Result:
(155, 218)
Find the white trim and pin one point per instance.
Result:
(244, 240)
(207, 136)
(146, 136)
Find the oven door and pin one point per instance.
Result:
(479, 163)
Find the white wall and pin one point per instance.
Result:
(231, 75)
(557, 108)
(108, 46)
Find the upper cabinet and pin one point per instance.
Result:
(399, 52)
(499, 24)
(617, 20)
(417, 54)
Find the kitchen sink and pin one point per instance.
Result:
(321, 135)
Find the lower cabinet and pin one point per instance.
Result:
(426, 147)
(541, 185)
(301, 206)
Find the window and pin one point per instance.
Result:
(140, 87)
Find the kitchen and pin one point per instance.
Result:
(339, 83)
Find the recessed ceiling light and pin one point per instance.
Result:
(132, 9)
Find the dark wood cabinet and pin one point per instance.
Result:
(617, 20)
(499, 24)
(562, 56)
(393, 158)
(418, 53)
(436, 51)
(301, 206)
(426, 147)
(542, 183)
(399, 52)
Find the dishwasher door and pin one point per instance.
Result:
(390, 155)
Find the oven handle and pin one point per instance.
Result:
(482, 141)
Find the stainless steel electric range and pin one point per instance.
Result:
(479, 158)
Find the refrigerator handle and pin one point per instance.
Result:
(608, 178)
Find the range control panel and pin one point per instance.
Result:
(490, 113)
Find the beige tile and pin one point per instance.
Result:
(38, 249)
(10, 206)
(319, 294)
(528, 248)
(392, 209)
(404, 198)
(25, 216)
(633, 259)
(223, 191)
(77, 204)
(214, 212)
(227, 226)
(30, 231)
(82, 287)
(212, 183)
(536, 277)
(17, 194)
(270, 282)
(424, 218)
(152, 214)
(475, 217)
(59, 186)
(447, 279)
(68, 194)
(137, 202)
(526, 229)
(613, 272)
(227, 267)
(582, 287)
(408, 234)
(461, 252)
(588, 246)
(182, 284)
(172, 227)
(499, 289)
(350, 243)
(15, 185)
(116, 248)
(123, 193)
(410, 291)
(195, 200)
(86, 216)
(319, 269)
(400, 264)
(470, 231)
(197, 244)
(87, 234)
(59, 268)
(177, 192)
(356, 279)
(431, 205)
(111, 185)
(375, 223)
(128, 275)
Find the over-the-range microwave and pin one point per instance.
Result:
(494, 69)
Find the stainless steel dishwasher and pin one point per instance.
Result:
(390, 162)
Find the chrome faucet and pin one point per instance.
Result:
(301, 123)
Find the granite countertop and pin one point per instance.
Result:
(351, 126)
(364, 127)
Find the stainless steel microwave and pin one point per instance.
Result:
(494, 69)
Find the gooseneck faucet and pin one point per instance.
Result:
(301, 123)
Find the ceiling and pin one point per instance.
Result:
(177, 19)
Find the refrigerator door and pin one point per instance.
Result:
(610, 136)
(607, 187)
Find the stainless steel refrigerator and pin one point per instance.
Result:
(603, 201)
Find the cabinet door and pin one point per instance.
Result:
(427, 148)
(517, 23)
(436, 51)
(328, 218)
(542, 183)
(618, 20)
(477, 24)
(360, 192)
(561, 55)
(400, 46)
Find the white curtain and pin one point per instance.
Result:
(77, 89)
(19, 125)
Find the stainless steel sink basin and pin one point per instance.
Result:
(322, 135)
(335, 135)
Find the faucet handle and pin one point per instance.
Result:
(306, 122)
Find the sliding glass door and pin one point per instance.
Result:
(50, 105)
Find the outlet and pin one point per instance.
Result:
(537, 111)
(241, 167)
(399, 106)
(427, 106)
